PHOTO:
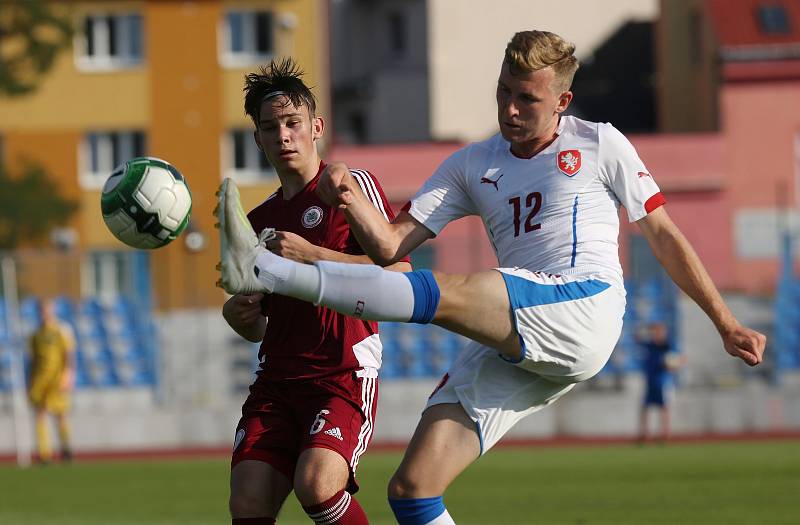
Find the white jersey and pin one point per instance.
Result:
(556, 212)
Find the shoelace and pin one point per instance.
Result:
(267, 234)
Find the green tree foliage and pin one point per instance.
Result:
(31, 35)
(30, 206)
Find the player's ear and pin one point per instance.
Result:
(563, 101)
(258, 142)
(317, 128)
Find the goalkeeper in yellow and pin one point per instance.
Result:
(51, 379)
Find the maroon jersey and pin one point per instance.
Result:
(305, 341)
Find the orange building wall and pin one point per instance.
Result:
(55, 152)
(184, 100)
(184, 128)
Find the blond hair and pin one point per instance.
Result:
(534, 50)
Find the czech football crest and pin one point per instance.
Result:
(312, 217)
(569, 161)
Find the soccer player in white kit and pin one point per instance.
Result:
(548, 188)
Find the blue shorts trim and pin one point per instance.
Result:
(480, 433)
(523, 293)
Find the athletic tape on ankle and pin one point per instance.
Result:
(426, 296)
(417, 511)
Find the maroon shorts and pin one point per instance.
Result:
(281, 419)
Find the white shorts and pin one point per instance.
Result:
(568, 328)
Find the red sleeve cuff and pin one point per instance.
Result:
(654, 202)
(406, 206)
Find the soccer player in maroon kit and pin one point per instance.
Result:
(311, 409)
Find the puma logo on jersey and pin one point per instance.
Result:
(335, 432)
(644, 174)
(487, 180)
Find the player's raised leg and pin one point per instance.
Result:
(444, 444)
(475, 305)
(257, 493)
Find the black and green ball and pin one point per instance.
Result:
(146, 203)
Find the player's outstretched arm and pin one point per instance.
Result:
(243, 314)
(294, 247)
(684, 267)
(385, 242)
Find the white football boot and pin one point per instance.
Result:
(239, 246)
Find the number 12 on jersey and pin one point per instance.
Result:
(533, 202)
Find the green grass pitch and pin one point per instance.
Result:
(711, 483)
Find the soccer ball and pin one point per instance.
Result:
(146, 202)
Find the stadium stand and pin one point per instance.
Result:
(115, 342)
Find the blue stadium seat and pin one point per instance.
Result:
(443, 347)
(102, 369)
(5, 369)
(5, 332)
(422, 350)
(390, 356)
(81, 374)
(29, 315)
(64, 309)
(113, 342)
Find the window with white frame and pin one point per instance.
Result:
(247, 37)
(246, 163)
(110, 41)
(106, 274)
(102, 151)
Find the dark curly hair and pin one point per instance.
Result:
(278, 76)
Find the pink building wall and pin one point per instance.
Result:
(691, 171)
(760, 123)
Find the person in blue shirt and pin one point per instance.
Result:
(659, 363)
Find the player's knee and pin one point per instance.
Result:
(247, 503)
(311, 490)
(404, 486)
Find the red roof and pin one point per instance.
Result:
(736, 22)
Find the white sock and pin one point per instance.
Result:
(287, 277)
(366, 291)
(442, 519)
(360, 290)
